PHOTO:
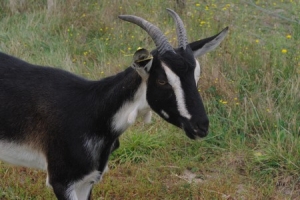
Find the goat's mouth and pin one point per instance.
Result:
(194, 130)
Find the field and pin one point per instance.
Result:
(250, 87)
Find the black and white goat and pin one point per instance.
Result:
(53, 120)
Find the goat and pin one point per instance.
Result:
(53, 120)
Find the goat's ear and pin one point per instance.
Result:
(208, 44)
(142, 62)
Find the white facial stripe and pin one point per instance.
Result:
(174, 81)
(197, 71)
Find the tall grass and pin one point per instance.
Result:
(250, 86)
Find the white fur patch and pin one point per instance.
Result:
(130, 110)
(80, 190)
(47, 181)
(132, 116)
(22, 155)
(147, 117)
(197, 72)
(175, 82)
(164, 114)
(71, 193)
(93, 146)
(84, 186)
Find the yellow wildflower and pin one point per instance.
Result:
(258, 154)
(202, 23)
(223, 102)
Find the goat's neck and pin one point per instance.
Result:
(124, 99)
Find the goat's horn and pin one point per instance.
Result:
(157, 36)
(181, 32)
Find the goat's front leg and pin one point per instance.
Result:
(84, 186)
(67, 184)
(76, 190)
(63, 192)
(79, 190)
(84, 191)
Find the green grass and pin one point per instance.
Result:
(250, 86)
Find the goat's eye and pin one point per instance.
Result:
(161, 82)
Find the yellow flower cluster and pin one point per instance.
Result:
(223, 101)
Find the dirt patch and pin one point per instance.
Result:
(190, 177)
(288, 188)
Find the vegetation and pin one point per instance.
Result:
(250, 86)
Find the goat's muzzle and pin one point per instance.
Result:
(195, 129)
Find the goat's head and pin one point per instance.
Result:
(172, 75)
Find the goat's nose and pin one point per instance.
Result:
(201, 128)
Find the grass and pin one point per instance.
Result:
(250, 86)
